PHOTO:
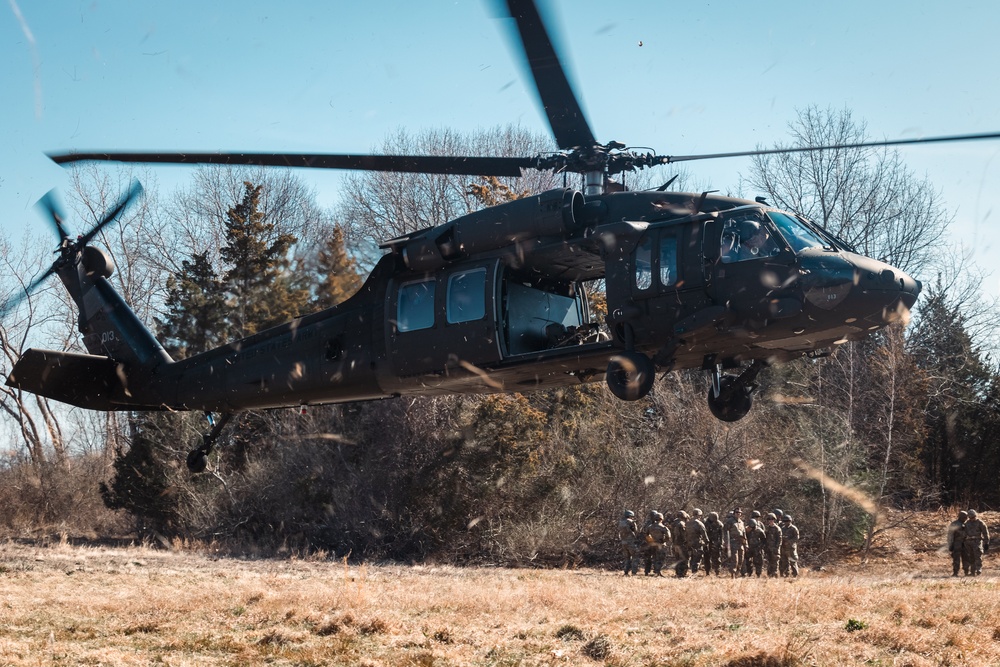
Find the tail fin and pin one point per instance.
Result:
(109, 327)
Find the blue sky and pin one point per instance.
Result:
(332, 76)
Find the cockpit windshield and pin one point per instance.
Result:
(798, 236)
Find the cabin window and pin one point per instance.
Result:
(668, 261)
(415, 306)
(644, 264)
(467, 296)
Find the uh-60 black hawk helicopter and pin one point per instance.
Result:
(495, 300)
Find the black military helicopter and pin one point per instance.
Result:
(497, 300)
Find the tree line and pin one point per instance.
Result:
(906, 418)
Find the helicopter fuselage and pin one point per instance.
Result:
(502, 300)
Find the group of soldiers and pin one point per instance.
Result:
(692, 542)
(968, 540)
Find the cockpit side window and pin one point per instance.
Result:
(746, 237)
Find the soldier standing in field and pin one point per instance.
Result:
(680, 543)
(756, 538)
(956, 544)
(656, 536)
(697, 540)
(646, 548)
(736, 535)
(789, 555)
(628, 535)
(772, 544)
(713, 554)
(750, 525)
(977, 542)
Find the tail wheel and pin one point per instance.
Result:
(630, 375)
(197, 461)
(732, 401)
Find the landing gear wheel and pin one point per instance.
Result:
(733, 401)
(630, 375)
(197, 461)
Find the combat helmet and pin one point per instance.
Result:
(714, 516)
(682, 515)
(696, 512)
(771, 517)
(786, 518)
(973, 514)
(628, 514)
(657, 516)
(755, 514)
(963, 515)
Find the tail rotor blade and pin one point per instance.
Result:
(12, 303)
(67, 249)
(133, 193)
(49, 204)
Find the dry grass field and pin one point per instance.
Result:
(91, 605)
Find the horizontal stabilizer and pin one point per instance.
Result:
(84, 380)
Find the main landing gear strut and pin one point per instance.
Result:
(197, 459)
(731, 396)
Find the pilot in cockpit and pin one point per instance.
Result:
(746, 239)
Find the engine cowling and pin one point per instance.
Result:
(551, 213)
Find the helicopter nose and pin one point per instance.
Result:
(864, 289)
(885, 287)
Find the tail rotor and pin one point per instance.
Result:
(69, 250)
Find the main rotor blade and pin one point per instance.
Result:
(10, 304)
(49, 204)
(133, 192)
(832, 147)
(419, 164)
(569, 125)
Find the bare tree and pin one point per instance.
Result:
(139, 274)
(867, 196)
(197, 215)
(377, 206)
(32, 416)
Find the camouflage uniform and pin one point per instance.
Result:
(656, 535)
(977, 542)
(956, 544)
(772, 544)
(646, 547)
(628, 533)
(680, 544)
(697, 539)
(789, 554)
(736, 534)
(756, 539)
(713, 554)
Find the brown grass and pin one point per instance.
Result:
(136, 606)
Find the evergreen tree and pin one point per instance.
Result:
(959, 431)
(196, 309)
(141, 483)
(258, 279)
(336, 272)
